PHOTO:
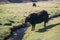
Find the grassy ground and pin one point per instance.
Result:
(16, 12)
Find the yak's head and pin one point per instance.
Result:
(26, 19)
(25, 22)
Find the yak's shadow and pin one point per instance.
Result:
(48, 27)
(55, 16)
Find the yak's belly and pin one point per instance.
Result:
(39, 21)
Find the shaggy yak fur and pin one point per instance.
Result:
(39, 17)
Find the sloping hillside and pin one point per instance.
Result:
(20, 1)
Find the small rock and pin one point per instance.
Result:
(0, 23)
(11, 21)
(8, 24)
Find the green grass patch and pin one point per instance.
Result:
(16, 12)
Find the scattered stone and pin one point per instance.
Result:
(7, 24)
(11, 21)
(0, 23)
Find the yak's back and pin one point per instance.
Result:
(43, 12)
(33, 15)
(45, 15)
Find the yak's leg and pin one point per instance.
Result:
(45, 25)
(33, 27)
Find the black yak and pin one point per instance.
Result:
(39, 17)
(34, 4)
